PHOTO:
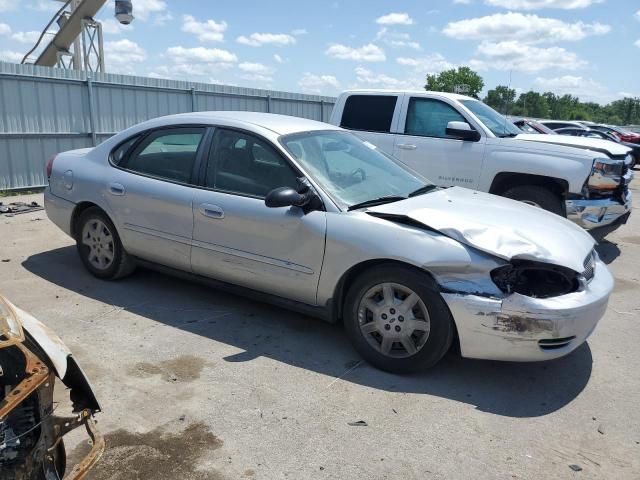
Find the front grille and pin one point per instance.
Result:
(555, 343)
(589, 266)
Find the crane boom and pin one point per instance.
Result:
(68, 32)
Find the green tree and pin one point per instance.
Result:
(448, 80)
(533, 104)
(501, 99)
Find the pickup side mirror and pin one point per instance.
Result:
(286, 197)
(462, 131)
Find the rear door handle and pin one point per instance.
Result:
(407, 146)
(116, 189)
(211, 211)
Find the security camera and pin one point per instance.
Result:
(124, 11)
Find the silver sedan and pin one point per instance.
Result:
(308, 216)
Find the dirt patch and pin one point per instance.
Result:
(634, 239)
(622, 285)
(156, 455)
(185, 368)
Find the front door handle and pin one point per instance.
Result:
(116, 189)
(407, 146)
(211, 211)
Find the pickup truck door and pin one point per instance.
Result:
(422, 143)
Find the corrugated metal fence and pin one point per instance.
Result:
(44, 111)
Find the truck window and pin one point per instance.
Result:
(428, 117)
(371, 113)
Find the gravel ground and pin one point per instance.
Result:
(199, 384)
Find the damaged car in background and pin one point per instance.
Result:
(31, 428)
(308, 216)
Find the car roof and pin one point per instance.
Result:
(453, 96)
(279, 124)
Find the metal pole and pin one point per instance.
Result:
(92, 120)
(193, 99)
(322, 110)
(268, 103)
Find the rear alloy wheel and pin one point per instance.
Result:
(397, 320)
(537, 196)
(99, 246)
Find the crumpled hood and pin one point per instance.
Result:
(497, 225)
(595, 144)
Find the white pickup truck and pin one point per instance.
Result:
(457, 140)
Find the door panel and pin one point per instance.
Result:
(424, 145)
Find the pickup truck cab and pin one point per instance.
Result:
(458, 140)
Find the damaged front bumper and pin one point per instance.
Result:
(597, 213)
(520, 328)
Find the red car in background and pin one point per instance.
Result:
(621, 133)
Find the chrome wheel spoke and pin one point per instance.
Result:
(371, 306)
(419, 325)
(369, 327)
(385, 346)
(410, 302)
(388, 294)
(408, 344)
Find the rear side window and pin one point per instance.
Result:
(168, 154)
(371, 113)
(119, 153)
(427, 117)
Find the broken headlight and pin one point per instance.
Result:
(535, 279)
(606, 174)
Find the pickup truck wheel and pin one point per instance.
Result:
(397, 320)
(99, 246)
(537, 196)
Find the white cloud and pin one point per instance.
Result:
(397, 39)
(462, 2)
(278, 58)
(299, 31)
(522, 57)
(522, 27)
(5, 29)
(181, 54)
(122, 56)
(311, 83)
(367, 78)
(257, 78)
(162, 19)
(537, 4)
(10, 56)
(42, 5)
(637, 43)
(26, 37)
(434, 63)
(209, 31)
(6, 5)
(260, 39)
(395, 19)
(142, 9)
(365, 53)
(257, 68)
(586, 89)
(112, 27)
(637, 15)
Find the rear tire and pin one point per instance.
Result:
(537, 196)
(99, 246)
(397, 320)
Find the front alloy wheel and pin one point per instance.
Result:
(99, 239)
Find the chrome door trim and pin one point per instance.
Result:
(252, 256)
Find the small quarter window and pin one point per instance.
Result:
(371, 113)
(119, 153)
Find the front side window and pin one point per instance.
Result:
(370, 113)
(350, 170)
(427, 117)
(244, 164)
(499, 125)
(168, 154)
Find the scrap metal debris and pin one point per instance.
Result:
(17, 208)
(359, 423)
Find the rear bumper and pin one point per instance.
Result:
(591, 214)
(59, 211)
(525, 329)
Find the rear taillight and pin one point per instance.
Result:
(50, 166)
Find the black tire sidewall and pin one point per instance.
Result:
(97, 214)
(441, 331)
(542, 196)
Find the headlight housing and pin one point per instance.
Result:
(535, 279)
(10, 328)
(606, 174)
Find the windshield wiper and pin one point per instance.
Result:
(507, 135)
(377, 201)
(422, 190)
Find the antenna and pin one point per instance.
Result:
(504, 127)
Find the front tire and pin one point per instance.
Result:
(537, 196)
(397, 320)
(99, 246)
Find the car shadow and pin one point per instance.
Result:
(608, 251)
(262, 330)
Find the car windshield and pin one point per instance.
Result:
(498, 124)
(350, 170)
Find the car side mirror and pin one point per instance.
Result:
(285, 197)
(462, 131)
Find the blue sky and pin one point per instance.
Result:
(590, 48)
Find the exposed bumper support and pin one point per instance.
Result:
(519, 328)
(590, 214)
